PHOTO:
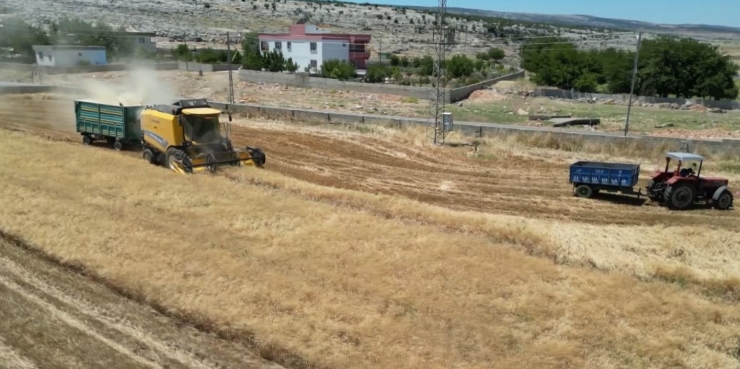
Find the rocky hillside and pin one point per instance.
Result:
(394, 29)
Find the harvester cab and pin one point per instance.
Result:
(189, 136)
(683, 187)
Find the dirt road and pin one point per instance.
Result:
(51, 318)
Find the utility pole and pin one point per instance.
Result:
(632, 89)
(231, 80)
(437, 129)
(187, 55)
(380, 50)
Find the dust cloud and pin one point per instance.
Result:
(143, 87)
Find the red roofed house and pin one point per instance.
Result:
(310, 45)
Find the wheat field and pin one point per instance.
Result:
(357, 249)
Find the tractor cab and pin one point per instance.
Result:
(687, 164)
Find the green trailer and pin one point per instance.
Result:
(116, 124)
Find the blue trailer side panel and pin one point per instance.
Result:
(605, 174)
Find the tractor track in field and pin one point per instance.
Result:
(510, 185)
(51, 318)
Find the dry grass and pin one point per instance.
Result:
(353, 286)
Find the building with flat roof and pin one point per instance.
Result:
(69, 55)
(310, 46)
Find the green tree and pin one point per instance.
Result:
(337, 69)
(460, 66)
(495, 54)
(376, 73)
(395, 60)
(20, 37)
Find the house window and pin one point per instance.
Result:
(265, 46)
(41, 55)
(344, 45)
(289, 46)
(79, 54)
(141, 40)
(314, 64)
(278, 45)
(313, 47)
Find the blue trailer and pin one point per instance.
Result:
(589, 177)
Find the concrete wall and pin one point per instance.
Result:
(85, 68)
(565, 94)
(305, 81)
(463, 92)
(206, 67)
(482, 129)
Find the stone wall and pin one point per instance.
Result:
(85, 68)
(195, 67)
(481, 129)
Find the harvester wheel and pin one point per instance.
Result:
(177, 160)
(118, 145)
(258, 157)
(679, 196)
(86, 140)
(211, 163)
(584, 191)
(724, 201)
(149, 156)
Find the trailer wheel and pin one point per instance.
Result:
(724, 201)
(118, 145)
(679, 196)
(584, 191)
(86, 140)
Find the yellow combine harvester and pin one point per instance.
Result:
(190, 138)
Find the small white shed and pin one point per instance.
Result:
(69, 55)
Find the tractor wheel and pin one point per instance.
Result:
(149, 156)
(118, 145)
(584, 191)
(258, 156)
(649, 188)
(86, 140)
(679, 196)
(724, 201)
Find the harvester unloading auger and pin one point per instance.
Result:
(190, 138)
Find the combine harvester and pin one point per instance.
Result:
(187, 135)
(679, 189)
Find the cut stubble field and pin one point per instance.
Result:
(368, 249)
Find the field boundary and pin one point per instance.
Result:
(85, 68)
(269, 352)
(304, 80)
(476, 129)
(573, 95)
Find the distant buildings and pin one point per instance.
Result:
(310, 46)
(69, 55)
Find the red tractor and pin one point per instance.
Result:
(684, 187)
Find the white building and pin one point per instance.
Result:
(310, 46)
(69, 55)
(144, 40)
